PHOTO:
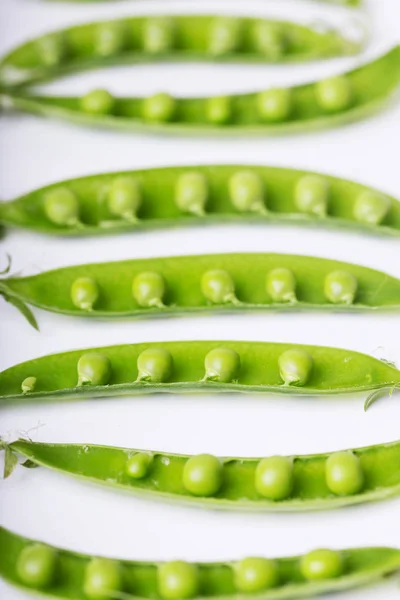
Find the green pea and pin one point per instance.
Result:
(148, 289)
(371, 207)
(124, 198)
(219, 110)
(97, 102)
(274, 477)
(218, 287)
(110, 39)
(37, 565)
(340, 287)
(154, 365)
(103, 578)
(191, 193)
(247, 192)
(225, 36)
(202, 475)
(62, 207)
(94, 368)
(268, 40)
(159, 108)
(84, 293)
(138, 465)
(158, 35)
(178, 580)
(295, 367)
(281, 285)
(252, 575)
(321, 564)
(28, 385)
(333, 94)
(343, 473)
(222, 365)
(52, 49)
(274, 105)
(312, 195)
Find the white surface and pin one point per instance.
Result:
(34, 152)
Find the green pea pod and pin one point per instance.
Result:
(292, 483)
(318, 105)
(154, 38)
(62, 574)
(196, 365)
(177, 286)
(173, 196)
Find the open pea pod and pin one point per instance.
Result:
(154, 38)
(182, 285)
(61, 574)
(326, 103)
(276, 483)
(192, 195)
(204, 366)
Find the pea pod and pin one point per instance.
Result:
(72, 575)
(151, 38)
(172, 196)
(277, 483)
(208, 366)
(190, 284)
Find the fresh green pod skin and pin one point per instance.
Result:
(145, 288)
(335, 371)
(371, 87)
(142, 39)
(159, 207)
(363, 566)
(233, 483)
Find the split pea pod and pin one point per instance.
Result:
(274, 483)
(203, 366)
(61, 574)
(191, 195)
(194, 284)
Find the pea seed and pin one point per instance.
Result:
(344, 474)
(274, 477)
(321, 564)
(340, 287)
(219, 110)
(274, 105)
(148, 289)
(52, 49)
(94, 368)
(138, 465)
(154, 365)
(191, 193)
(225, 36)
(98, 102)
(103, 578)
(281, 285)
(158, 108)
(312, 195)
(247, 193)
(295, 367)
(28, 385)
(268, 40)
(202, 475)
(62, 207)
(252, 575)
(110, 39)
(222, 365)
(84, 293)
(333, 94)
(124, 198)
(218, 287)
(178, 580)
(36, 566)
(371, 207)
(158, 36)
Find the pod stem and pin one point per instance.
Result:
(381, 393)
(8, 267)
(19, 305)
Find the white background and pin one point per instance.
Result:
(35, 152)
